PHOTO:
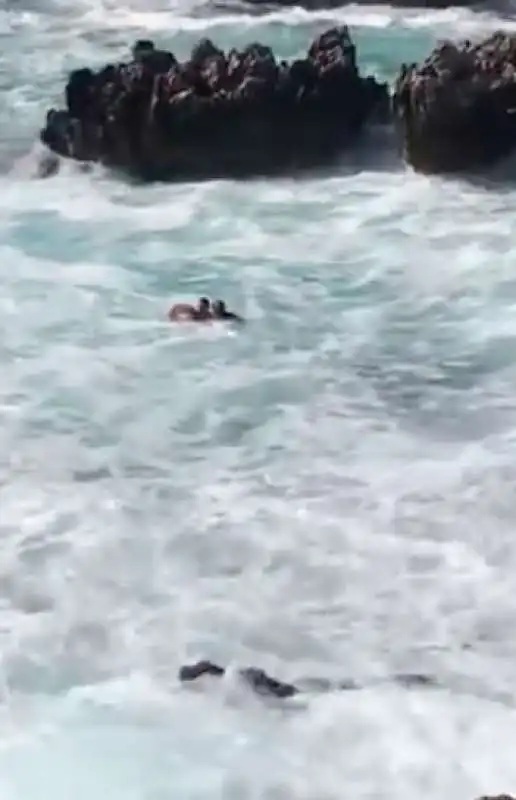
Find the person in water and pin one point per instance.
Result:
(204, 312)
(185, 312)
(263, 684)
(220, 312)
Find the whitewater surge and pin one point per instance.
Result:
(329, 492)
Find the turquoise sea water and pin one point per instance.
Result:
(328, 492)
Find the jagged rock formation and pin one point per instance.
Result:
(457, 110)
(217, 114)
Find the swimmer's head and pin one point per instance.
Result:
(141, 48)
(219, 307)
(204, 304)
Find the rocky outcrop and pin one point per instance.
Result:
(217, 114)
(243, 113)
(457, 110)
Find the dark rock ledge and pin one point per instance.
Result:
(217, 114)
(243, 113)
(456, 112)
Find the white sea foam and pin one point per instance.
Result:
(327, 492)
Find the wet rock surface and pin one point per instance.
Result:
(217, 114)
(243, 113)
(456, 112)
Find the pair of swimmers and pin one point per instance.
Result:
(205, 311)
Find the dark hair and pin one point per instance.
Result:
(141, 47)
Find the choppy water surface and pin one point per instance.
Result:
(329, 492)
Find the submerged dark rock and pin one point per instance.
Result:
(255, 678)
(217, 114)
(316, 5)
(456, 111)
(497, 797)
(262, 683)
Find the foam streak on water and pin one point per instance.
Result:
(328, 492)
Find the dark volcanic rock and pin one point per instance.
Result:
(457, 111)
(236, 113)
